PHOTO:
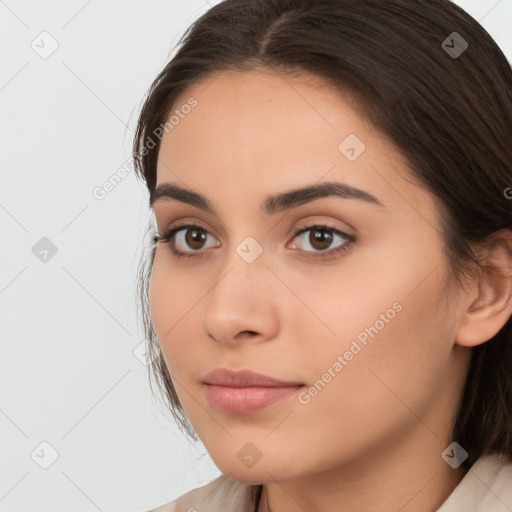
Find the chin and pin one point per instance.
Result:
(261, 472)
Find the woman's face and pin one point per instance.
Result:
(355, 314)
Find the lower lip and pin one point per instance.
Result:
(246, 400)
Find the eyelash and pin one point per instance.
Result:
(167, 236)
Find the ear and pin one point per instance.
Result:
(489, 305)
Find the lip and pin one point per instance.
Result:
(244, 378)
(244, 391)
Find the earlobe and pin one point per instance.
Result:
(492, 308)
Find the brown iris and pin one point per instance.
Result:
(195, 238)
(320, 238)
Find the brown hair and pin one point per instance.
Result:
(449, 114)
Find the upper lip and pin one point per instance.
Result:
(244, 378)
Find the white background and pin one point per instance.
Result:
(69, 326)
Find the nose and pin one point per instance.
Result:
(242, 305)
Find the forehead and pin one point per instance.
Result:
(242, 105)
(260, 131)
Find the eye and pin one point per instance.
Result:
(181, 237)
(192, 236)
(321, 238)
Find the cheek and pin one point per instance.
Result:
(381, 380)
(175, 306)
(389, 323)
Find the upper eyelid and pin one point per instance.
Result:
(321, 225)
(178, 225)
(187, 221)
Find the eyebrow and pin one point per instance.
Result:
(274, 203)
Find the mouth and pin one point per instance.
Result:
(245, 392)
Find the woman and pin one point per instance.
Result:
(328, 297)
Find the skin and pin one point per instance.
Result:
(372, 438)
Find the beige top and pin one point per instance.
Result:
(486, 487)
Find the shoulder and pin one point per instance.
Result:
(486, 486)
(223, 493)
